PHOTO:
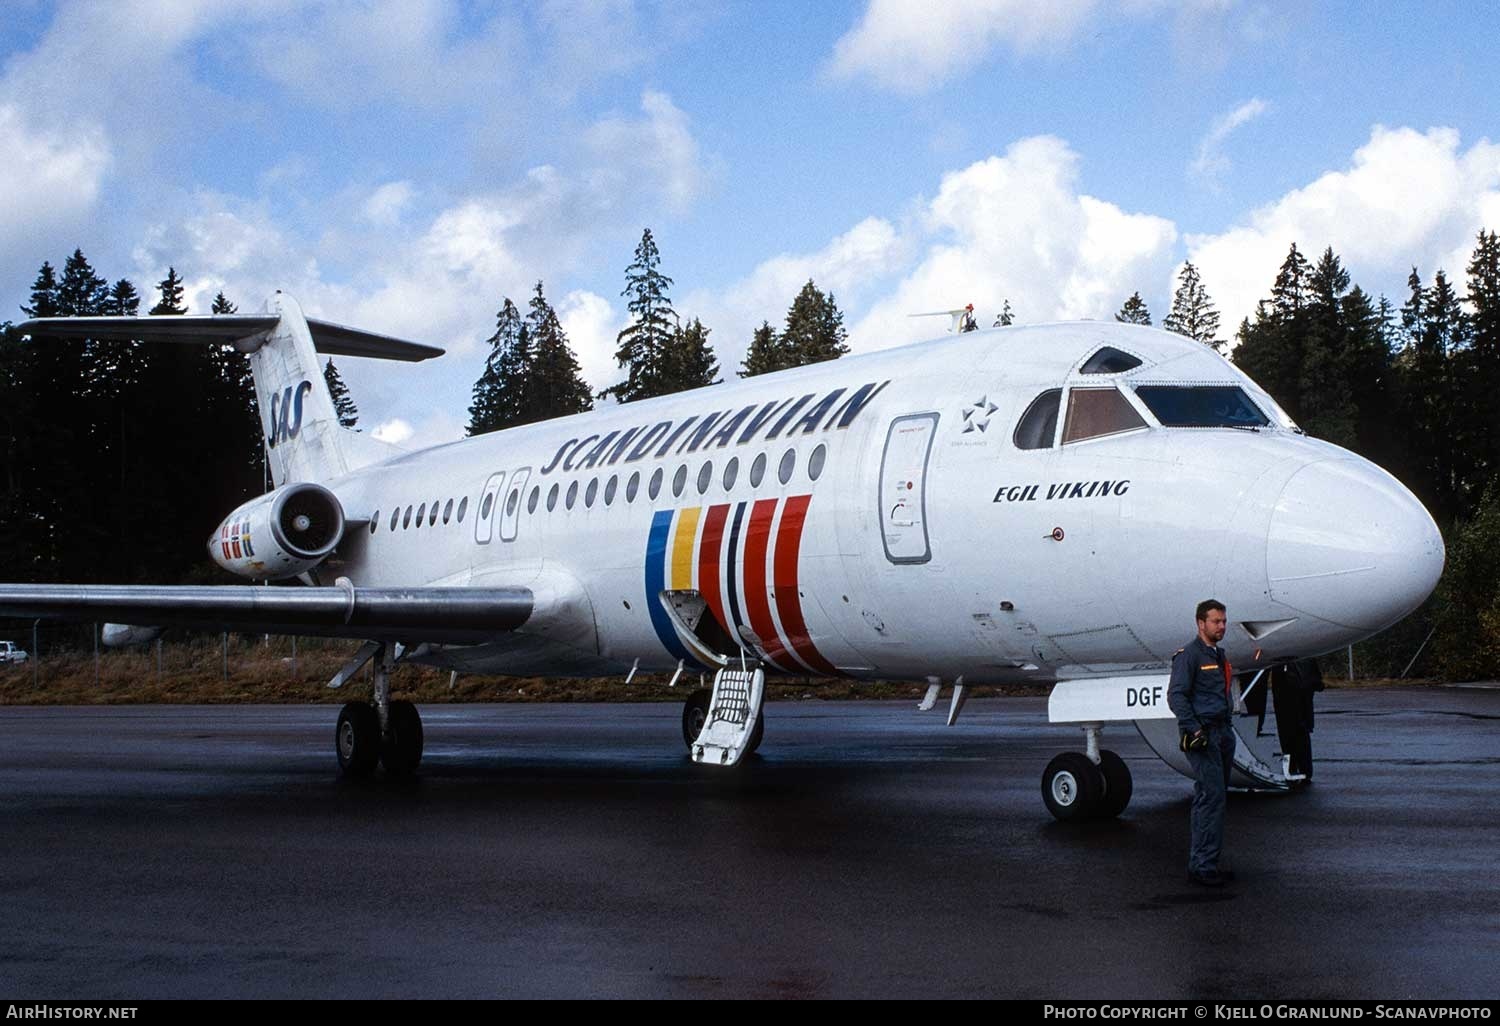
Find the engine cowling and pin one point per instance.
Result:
(281, 534)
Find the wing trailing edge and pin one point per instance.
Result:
(440, 615)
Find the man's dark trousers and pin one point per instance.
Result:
(1211, 768)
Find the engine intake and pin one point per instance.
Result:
(281, 534)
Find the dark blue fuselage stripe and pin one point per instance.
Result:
(656, 582)
(732, 573)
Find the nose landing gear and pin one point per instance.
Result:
(1077, 786)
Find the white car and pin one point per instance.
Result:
(9, 653)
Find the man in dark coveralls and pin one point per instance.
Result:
(1199, 697)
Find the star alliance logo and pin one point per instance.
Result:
(977, 417)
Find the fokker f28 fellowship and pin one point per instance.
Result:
(1036, 503)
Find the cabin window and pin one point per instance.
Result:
(788, 464)
(632, 486)
(610, 488)
(432, 513)
(591, 492)
(757, 470)
(572, 495)
(731, 471)
(705, 476)
(1096, 412)
(531, 500)
(679, 481)
(406, 519)
(1109, 360)
(375, 521)
(1038, 425)
(511, 502)
(447, 511)
(552, 497)
(816, 461)
(395, 515)
(655, 489)
(486, 506)
(421, 512)
(1201, 406)
(463, 505)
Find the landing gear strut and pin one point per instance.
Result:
(382, 731)
(1094, 786)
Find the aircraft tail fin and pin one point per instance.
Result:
(304, 441)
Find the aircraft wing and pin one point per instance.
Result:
(335, 339)
(409, 615)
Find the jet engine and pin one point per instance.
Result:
(281, 534)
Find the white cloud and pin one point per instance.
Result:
(386, 204)
(47, 178)
(1407, 198)
(592, 324)
(1211, 161)
(912, 47)
(658, 150)
(849, 266)
(1015, 227)
(395, 431)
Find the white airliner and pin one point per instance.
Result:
(1037, 503)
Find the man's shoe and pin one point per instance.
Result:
(1211, 878)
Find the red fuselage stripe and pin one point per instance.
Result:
(757, 599)
(788, 600)
(710, 579)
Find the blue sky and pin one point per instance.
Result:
(405, 165)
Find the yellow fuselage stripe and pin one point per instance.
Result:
(682, 548)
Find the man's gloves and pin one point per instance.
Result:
(1197, 741)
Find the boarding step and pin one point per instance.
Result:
(733, 711)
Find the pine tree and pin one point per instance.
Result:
(43, 294)
(766, 353)
(554, 384)
(1289, 293)
(170, 288)
(1482, 380)
(1006, 318)
(81, 292)
(123, 301)
(642, 343)
(343, 402)
(1329, 408)
(222, 305)
(497, 394)
(1134, 311)
(1193, 313)
(689, 360)
(814, 329)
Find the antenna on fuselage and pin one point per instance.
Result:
(963, 318)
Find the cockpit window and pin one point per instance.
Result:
(1109, 360)
(1095, 412)
(1038, 424)
(1201, 406)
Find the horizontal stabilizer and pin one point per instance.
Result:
(452, 615)
(334, 339)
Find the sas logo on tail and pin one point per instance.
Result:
(286, 413)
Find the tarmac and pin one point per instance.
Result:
(867, 851)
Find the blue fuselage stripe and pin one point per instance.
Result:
(656, 582)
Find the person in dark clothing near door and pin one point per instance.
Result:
(1199, 697)
(1292, 688)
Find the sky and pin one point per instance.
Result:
(405, 165)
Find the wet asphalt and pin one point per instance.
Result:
(868, 851)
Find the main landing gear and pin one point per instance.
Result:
(1079, 786)
(383, 732)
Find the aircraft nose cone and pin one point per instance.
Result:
(1350, 545)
